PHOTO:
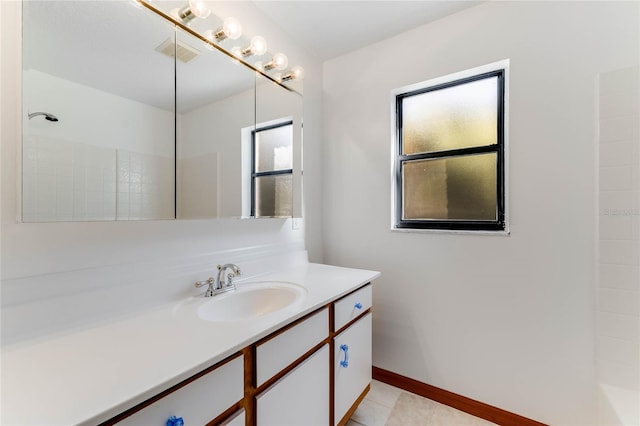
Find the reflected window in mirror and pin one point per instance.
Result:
(272, 170)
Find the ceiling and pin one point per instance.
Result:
(330, 28)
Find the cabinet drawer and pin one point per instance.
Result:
(301, 397)
(277, 353)
(349, 307)
(352, 377)
(198, 402)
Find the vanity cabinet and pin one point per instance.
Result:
(314, 371)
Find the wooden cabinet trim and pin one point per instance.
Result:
(350, 323)
(226, 414)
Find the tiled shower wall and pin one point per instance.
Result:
(618, 310)
(72, 181)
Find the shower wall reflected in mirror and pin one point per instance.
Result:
(98, 113)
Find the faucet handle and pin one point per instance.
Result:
(210, 281)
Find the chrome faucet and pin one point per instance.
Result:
(220, 285)
(227, 285)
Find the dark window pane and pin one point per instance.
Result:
(274, 149)
(453, 188)
(456, 117)
(274, 196)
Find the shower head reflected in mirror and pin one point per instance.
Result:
(47, 116)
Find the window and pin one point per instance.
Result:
(272, 170)
(450, 154)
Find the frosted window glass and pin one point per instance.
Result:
(274, 196)
(274, 149)
(461, 116)
(453, 188)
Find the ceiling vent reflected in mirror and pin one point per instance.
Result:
(185, 53)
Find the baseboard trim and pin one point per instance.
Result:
(459, 402)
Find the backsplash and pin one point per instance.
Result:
(43, 305)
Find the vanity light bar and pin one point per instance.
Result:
(231, 29)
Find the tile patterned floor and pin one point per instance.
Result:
(387, 405)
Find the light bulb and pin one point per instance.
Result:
(232, 28)
(199, 8)
(258, 45)
(194, 9)
(279, 62)
(296, 73)
(237, 51)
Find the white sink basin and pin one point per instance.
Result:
(251, 300)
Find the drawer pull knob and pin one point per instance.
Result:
(358, 305)
(345, 362)
(175, 421)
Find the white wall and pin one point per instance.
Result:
(115, 266)
(618, 315)
(509, 321)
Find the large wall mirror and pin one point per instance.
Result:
(126, 116)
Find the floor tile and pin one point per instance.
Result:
(371, 413)
(383, 394)
(387, 405)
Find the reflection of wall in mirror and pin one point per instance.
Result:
(123, 170)
(275, 104)
(209, 171)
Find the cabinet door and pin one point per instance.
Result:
(301, 397)
(352, 369)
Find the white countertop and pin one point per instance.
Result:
(88, 376)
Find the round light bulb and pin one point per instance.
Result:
(258, 45)
(280, 61)
(232, 28)
(199, 9)
(298, 72)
